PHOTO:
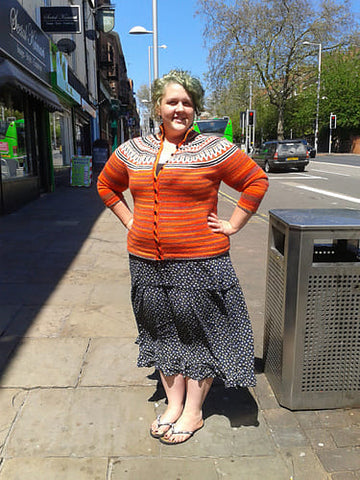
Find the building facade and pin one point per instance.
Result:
(52, 93)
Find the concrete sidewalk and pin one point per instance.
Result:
(73, 404)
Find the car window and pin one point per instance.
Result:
(292, 149)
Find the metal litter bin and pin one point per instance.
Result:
(312, 309)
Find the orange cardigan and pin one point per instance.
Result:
(171, 207)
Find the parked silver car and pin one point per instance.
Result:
(282, 155)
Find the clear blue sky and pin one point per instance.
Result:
(178, 28)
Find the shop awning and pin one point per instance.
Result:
(14, 76)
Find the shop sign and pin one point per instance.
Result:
(61, 19)
(60, 65)
(81, 171)
(23, 41)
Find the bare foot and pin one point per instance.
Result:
(183, 429)
(164, 422)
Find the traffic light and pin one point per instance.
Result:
(251, 117)
(332, 122)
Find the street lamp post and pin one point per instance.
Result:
(318, 95)
(155, 39)
(138, 30)
(149, 55)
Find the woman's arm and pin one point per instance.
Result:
(123, 212)
(238, 220)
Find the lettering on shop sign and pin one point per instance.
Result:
(61, 19)
(23, 40)
(25, 32)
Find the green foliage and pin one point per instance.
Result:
(339, 94)
(263, 40)
(341, 86)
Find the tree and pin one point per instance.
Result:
(340, 84)
(264, 39)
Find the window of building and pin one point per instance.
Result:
(13, 144)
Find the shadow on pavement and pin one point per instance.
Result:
(237, 404)
(37, 245)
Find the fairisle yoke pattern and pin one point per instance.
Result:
(171, 207)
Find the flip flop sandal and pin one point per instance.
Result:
(159, 425)
(173, 432)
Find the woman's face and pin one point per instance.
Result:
(177, 111)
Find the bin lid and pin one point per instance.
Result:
(318, 218)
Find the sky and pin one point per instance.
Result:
(178, 28)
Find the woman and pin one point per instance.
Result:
(191, 316)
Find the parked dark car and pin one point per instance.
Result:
(282, 155)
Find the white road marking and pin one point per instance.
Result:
(300, 177)
(326, 192)
(331, 173)
(338, 164)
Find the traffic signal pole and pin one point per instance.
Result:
(250, 130)
(247, 124)
(332, 126)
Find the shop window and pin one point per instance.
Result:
(13, 150)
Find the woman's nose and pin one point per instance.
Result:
(180, 106)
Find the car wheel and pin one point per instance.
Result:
(301, 169)
(267, 167)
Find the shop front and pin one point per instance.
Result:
(26, 101)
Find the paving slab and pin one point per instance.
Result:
(263, 393)
(69, 294)
(304, 464)
(285, 429)
(336, 418)
(8, 312)
(164, 468)
(45, 362)
(11, 401)
(54, 469)
(12, 294)
(99, 320)
(344, 476)
(110, 294)
(346, 437)
(112, 361)
(320, 438)
(252, 468)
(84, 422)
(340, 459)
(31, 321)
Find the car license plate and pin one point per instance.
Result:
(292, 158)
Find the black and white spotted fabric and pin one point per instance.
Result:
(192, 319)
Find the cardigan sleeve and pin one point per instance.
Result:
(245, 176)
(113, 180)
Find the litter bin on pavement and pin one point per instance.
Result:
(312, 308)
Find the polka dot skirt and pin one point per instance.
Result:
(192, 319)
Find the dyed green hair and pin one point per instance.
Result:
(191, 84)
